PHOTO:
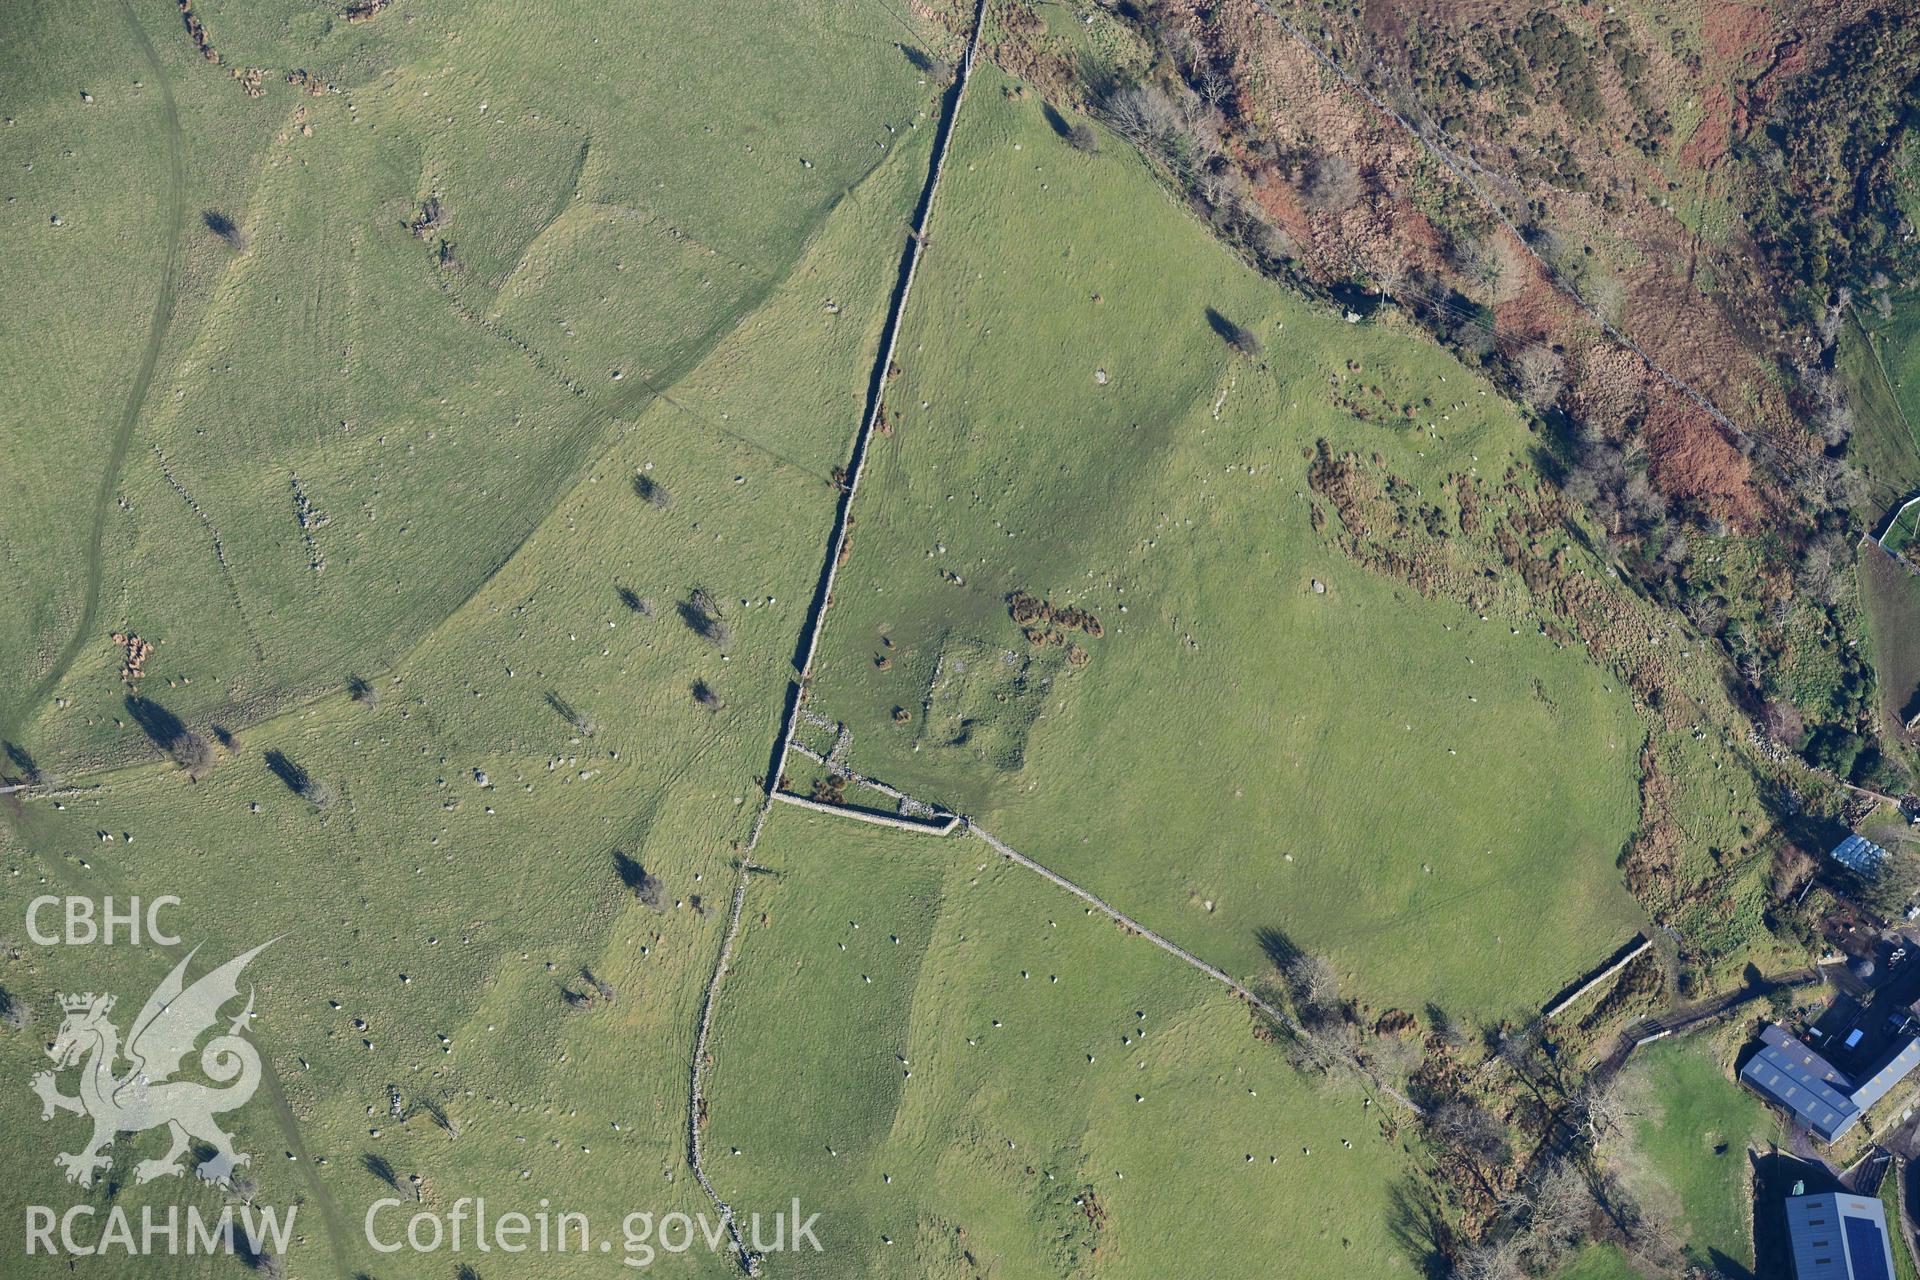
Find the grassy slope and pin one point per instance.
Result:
(1891, 597)
(1903, 1266)
(1881, 364)
(83, 296)
(1600, 1262)
(432, 415)
(1692, 1109)
(1901, 532)
(987, 1143)
(473, 893)
(1230, 715)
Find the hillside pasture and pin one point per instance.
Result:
(458, 847)
(411, 300)
(1255, 733)
(1689, 1147)
(1890, 593)
(966, 1074)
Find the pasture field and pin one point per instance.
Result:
(456, 856)
(1878, 366)
(1600, 1262)
(1879, 358)
(1903, 1265)
(89, 187)
(453, 404)
(1689, 1145)
(415, 961)
(1900, 534)
(456, 267)
(1264, 736)
(1888, 380)
(1890, 596)
(941, 1053)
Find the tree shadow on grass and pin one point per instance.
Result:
(20, 759)
(1279, 948)
(295, 778)
(223, 226)
(169, 733)
(162, 727)
(380, 1168)
(1419, 1228)
(637, 879)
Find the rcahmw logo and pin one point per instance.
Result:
(143, 1094)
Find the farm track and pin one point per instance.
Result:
(1680, 1019)
(1253, 999)
(1167, 945)
(19, 713)
(809, 639)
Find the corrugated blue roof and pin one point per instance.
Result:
(1820, 1095)
(1793, 1076)
(1877, 1085)
(1857, 853)
(1839, 1237)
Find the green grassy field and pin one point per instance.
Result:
(343, 432)
(1900, 534)
(1433, 800)
(416, 419)
(1876, 365)
(1903, 1266)
(1009, 1141)
(446, 994)
(1600, 1262)
(1879, 360)
(1881, 363)
(1689, 1148)
(444, 914)
(474, 891)
(1891, 597)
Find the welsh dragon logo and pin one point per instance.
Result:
(146, 1096)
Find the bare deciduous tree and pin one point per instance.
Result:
(1143, 112)
(1824, 565)
(1462, 1125)
(1312, 982)
(1498, 1260)
(1323, 1038)
(651, 491)
(1396, 1055)
(1563, 1207)
(1542, 375)
(701, 612)
(1611, 479)
(192, 753)
(1331, 184)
